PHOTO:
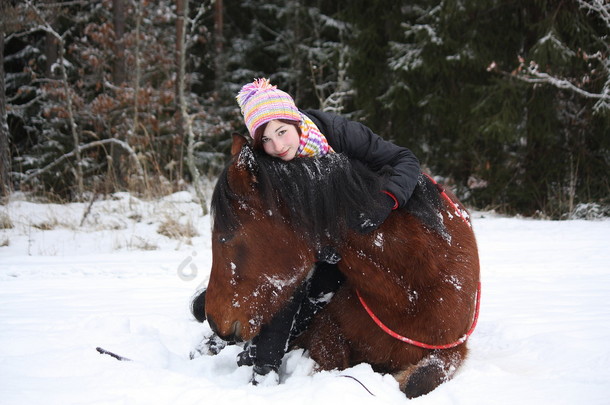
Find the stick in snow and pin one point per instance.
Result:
(114, 355)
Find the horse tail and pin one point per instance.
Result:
(198, 306)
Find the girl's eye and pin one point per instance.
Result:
(282, 132)
(265, 140)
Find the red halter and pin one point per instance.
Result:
(461, 340)
(420, 344)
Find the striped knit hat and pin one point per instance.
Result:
(260, 102)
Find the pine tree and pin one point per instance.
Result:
(506, 144)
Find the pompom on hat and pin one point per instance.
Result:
(261, 102)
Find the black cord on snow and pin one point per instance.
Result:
(358, 381)
(113, 355)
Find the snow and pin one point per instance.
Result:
(543, 335)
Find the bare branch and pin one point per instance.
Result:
(192, 24)
(203, 8)
(545, 78)
(65, 3)
(81, 148)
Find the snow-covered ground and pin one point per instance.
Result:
(74, 277)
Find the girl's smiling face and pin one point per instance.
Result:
(281, 140)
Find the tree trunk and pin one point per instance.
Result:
(181, 7)
(78, 172)
(5, 155)
(179, 60)
(50, 52)
(136, 86)
(119, 76)
(219, 45)
(118, 13)
(185, 126)
(50, 45)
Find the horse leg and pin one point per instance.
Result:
(326, 343)
(325, 339)
(322, 286)
(437, 367)
(268, 348)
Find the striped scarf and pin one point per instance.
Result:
(312, 142)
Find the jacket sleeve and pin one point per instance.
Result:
(358, 142)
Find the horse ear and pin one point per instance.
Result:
(244, 156)
(239, 141)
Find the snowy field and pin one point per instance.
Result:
(120, 275)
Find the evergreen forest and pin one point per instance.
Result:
(505, 101)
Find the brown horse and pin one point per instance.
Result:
(418, 273)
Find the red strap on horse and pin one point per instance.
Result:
(420, 344)
(460, 213)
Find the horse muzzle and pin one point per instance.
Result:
(228, 331)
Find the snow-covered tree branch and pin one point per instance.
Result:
(599, 64)
(77, 151)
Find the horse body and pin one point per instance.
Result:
(425, 290)
(418, 273)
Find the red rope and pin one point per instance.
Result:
(420, 344)
(461, 340)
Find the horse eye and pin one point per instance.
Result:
(225, 238)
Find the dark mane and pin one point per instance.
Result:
(425, 204)
(322, 197)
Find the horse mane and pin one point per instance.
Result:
(322, 197)
(426, 203)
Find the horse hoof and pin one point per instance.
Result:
(424, 380)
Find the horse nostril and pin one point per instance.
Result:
(237, 331)
(232, 335)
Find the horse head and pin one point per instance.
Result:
(258, 261)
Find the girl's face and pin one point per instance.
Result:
(281, 140)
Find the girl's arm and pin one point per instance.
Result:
(358, 142)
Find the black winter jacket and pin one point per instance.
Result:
(358, 142)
